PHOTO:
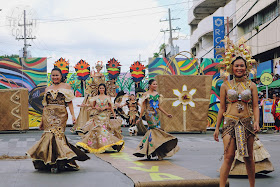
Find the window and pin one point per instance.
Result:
(260, 18)
(269, 13)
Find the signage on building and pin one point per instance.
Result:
(218, 34)
(267, 116)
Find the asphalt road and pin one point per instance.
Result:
(198, 152)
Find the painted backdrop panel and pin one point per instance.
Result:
(30, 73)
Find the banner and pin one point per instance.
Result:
(267, 116)
(218, 34)
(276, 64)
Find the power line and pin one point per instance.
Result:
(85, 17)
(262, 28)
(233, 27)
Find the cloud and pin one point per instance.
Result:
(91, 30)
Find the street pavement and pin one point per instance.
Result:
(198, 152)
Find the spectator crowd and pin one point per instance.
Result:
(272, 97)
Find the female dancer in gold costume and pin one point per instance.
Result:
(239, 109)
(53, 151)
(101, 134)
(91, 91)
(155, 142)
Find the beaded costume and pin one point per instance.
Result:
(84, 114)
(53, 149)
(155, 142)
(102, 133)
(240, 127)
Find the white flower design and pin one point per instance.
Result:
(184, 98)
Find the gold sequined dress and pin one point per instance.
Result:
(53, 149)
(84, 114)
(134, 116)
(102, 133)
(155, 142)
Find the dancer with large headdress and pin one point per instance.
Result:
(91, 91)
(240, 111)
(133, 115)
(101, 133)
(155, 142)
(53, 151)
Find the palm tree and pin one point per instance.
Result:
(156, 55)
(161, 51)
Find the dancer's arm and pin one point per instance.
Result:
(221, 111)
(162, 110)
(41, 126)
(143, 106)
(120, 106)
(256, 111)
(71, 108)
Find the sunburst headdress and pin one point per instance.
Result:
(99, 64)
(231, 52)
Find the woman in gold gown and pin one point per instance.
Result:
(155, 142)
(91, 91)
(53, 151)
(101, 133)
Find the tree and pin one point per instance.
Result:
(9, 56)
(162, 47)
(156, 55)
(161, 51)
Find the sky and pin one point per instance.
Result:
(127, 30)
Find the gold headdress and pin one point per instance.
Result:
(99, 64)
(231, 52)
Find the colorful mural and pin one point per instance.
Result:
(208, 67)
(179, 66)
(30, 73)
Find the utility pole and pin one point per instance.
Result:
(228, 26)
(170, 31)
(140, 59)
(24, 35)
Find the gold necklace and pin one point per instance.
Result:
(239, 106)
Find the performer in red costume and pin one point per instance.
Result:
(276, 112)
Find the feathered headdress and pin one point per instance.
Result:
(232, 51)
(99, 64)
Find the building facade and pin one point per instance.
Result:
(257, 21)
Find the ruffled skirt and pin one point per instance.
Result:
(112, 125)
(53, 149)
(158, 143)
(83, 117)
(99, 140)
(261, 158)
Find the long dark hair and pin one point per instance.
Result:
(150, 82)
(59, 70)
(102, 84)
